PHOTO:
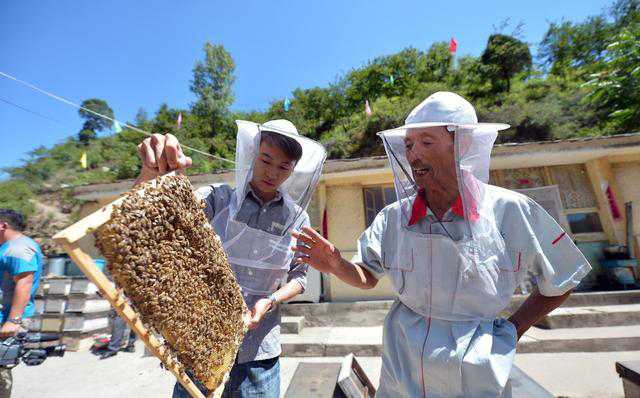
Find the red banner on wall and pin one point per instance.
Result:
(613, 205)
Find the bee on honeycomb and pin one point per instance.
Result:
(170, 263)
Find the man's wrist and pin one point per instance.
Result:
(274, 301)
(16, 319)
(146, 174)
(336, 264)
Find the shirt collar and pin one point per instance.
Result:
(251, 194)
(420, 209)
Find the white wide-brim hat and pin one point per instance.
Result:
(446, 109)
(281, 126)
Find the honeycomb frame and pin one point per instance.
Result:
(140, 322)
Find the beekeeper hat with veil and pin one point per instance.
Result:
(259, 248)
(467, 259)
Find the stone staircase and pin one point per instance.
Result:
(586, 322)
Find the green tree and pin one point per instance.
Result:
(616, 89)
(625, 13)
(556, 49)
(212, 83)
(374, 79)
(504, 57)
(15, 194)
(569, 49)
(85, 135)
(437, 63)
(94, 107)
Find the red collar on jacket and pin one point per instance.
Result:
(419, 209)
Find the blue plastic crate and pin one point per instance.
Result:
(72, 270)
(619, 263)
(623, 275)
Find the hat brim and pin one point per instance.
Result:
(492, 126)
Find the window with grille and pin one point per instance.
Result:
(579, 203)
(581, 223)
(375, 199)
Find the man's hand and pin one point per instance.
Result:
(9, 329)
(261, 307)
(316, 251)
(161, 154)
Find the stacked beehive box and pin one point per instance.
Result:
(71, 307)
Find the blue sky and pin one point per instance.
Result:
(141, 53)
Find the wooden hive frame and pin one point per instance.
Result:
(68, 239)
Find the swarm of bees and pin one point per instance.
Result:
(171, 265)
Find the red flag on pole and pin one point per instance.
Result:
(325, 224)
(453, 45)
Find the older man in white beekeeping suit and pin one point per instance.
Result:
(454, 249)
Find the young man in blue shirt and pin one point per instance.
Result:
(20, 269)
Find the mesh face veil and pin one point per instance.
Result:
(257, 248)
(299, 186)
(460, 275)
(472, 151)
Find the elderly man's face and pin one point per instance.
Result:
(430, 153)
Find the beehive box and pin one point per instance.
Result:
(59, 286)
(82, 304)
(82, 286)
(164, 255)
(55, 304)
(86, 323)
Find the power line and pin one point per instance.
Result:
(42, 91)
(36, 113)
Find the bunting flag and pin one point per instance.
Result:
(367, 108)
(391, 79)
(453, 45)
(179, 122)
(286, 105)
(83, 160)
(116, 127)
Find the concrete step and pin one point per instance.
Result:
(325, 341)
(588, 339)
(372, 313)
(367, 340)
(586, 299)
(603, 315)
(589, 299)
(291, 324)
(359, 313)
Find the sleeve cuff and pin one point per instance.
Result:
(301, 278)
(357, 259)
(550, 290)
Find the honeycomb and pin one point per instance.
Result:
(171, 265)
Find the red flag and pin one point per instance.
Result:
(325, 224)
(367, 108)
(179, 123)
(453, 45)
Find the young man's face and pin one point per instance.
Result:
(430, 153)
(271, 168)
